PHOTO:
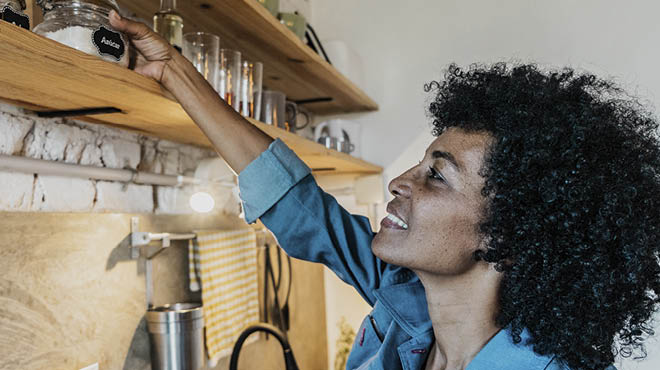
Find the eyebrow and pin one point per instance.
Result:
(439, 154)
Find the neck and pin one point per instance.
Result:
(463, 309)
(167, 4)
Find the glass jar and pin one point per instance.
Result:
(84, 25)
(12, 11)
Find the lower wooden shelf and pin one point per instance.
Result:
(41, 74)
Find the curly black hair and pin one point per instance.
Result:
(573, 222)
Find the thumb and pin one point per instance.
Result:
(135, 30)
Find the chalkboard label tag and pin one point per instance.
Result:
(109, 43)
(9, 15)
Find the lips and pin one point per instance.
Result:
(393, 220)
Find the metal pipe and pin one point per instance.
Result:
(43, 167)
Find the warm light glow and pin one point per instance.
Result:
(202, 202)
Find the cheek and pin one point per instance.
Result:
(447, 228)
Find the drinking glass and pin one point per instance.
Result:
(250, 91)
(202, 49)
(273, 110)
(229, 76)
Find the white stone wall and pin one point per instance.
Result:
(24, 134)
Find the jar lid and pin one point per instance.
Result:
(175, 312)
(50, 4)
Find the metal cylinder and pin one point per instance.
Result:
(176, 333)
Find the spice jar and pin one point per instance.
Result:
(12, 11)
(84, 25)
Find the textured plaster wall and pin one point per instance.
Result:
(70, 295)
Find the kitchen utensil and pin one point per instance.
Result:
(202, 50)
(294, 116)
(176, 333)
(250, 90)
(229, 76)
(304, 123)
(344, 143)
(338, 128)
(328, 142)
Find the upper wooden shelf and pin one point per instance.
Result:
(41, 74)
(289, 65)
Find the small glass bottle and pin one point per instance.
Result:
(169, 24)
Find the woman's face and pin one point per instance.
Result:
(432, 223)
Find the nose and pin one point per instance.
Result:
(401, 186)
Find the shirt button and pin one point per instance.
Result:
(420, 350)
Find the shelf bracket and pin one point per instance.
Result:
(141, 239)
(313, 100)
(78, 112)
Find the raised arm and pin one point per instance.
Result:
(276, 186)
(215, 118)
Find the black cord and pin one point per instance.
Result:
(288, 291)
(277, 301)
(266, 267)
(319, 42)
(310, 43)
(279, 270)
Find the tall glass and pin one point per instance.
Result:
(251, 84)
(202, 49)
(229, 76)
(274, 108)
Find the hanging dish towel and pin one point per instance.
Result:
(224, 264)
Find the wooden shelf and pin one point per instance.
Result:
(41, 74)
(289, 65)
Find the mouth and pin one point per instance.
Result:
(392, 221)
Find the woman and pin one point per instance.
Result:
(526, 238)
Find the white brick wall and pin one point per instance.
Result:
(24, 134)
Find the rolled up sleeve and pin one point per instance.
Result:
(266, 179)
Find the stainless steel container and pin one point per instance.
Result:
(176, 333)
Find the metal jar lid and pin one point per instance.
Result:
(175, 312)
(23, 5)
(50, 4)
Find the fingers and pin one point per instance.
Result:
(135, 30)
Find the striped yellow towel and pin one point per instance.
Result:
(226, 264)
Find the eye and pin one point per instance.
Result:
(433, 174)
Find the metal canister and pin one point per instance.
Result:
(176, 333)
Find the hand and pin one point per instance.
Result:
(154, 52)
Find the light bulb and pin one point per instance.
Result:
(202, 202)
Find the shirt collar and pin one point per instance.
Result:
(407, 305)
(501, 353)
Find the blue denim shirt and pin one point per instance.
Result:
(309, 224)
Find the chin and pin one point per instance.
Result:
(388, 251)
